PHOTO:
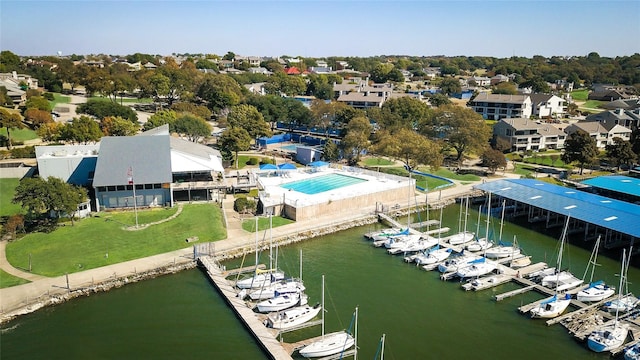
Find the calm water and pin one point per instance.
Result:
(424, 318)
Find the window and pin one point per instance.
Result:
(111, 188)
(120, 187)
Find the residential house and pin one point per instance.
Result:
(627, 118)
(321, 70)
(226, 64)
(342, 65)
(603, 135)
(500, 106)
(292, 71)
(526, 134)
(31, 82)
(366, 96)
(259, 70)
(150, 66)
(546, 105)
(431, 72)
(321, 64)
(605, 92)
(628, 104)
(256, 88)
(495, 80)
(481, 81)
(17, 95)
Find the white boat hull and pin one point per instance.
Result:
(260, 280)
(561, 281)
(461, 238)
(330, 344)
(476, 270)
(550, 309)
(270, 291)
(281, 302)
(433, 257)
(595, 293)
(289, 318)
(608, 338)
(499, 252)
(479, 245)
(625, 304)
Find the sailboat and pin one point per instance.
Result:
(295, 316)
(503, 250)
(610, 337)
(562, 280)
(477, 268)
(625, 303)
(380, 235)
(380, 350)
(597, 290)
(557, 304)
(484, 243)
(463, 236)
(285, 286)
(261, 278)
(331, 344)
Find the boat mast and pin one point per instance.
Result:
(322, 299)
(256, 244)
(466, 212)
(622, 275)
(271, 247)
(440, 232)
(486, 233)
(409, 198)
(300, 264)
(382, 351)
(478, 223)
(592, 261)
(504, 203)
(460, 218)
(355, 337)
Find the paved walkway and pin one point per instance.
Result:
(22, 296)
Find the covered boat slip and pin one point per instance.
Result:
(593, 215)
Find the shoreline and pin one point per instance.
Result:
(111, 279)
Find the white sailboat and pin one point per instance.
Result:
(331, 344)
(454, 263)
(610, 337)
(295, 316)
(383, 234)
(433, 256)
(463, 236)
(597, 290)
(557, 304)
(261, 278)
(281, 302)
(562, 280)
(626, 302)
(477, 268)
(632, 352)
(480, 244)
(286, 286)
(503, 250)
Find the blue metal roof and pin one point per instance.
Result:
(618, 183)
(616, 215)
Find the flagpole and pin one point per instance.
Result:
(135, 207)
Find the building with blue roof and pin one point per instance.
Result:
(616, 221)
(616, 186)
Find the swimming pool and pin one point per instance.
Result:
(292, 147)
(322, 183)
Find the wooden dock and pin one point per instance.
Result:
(265, 337)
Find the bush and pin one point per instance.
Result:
(244, 205)
(266, 161)
(252, 161)
(48, 96)
(25, 152)
(516, 157)
(103, 108)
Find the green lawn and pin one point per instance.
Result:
(580, 95)
(101, 241)
(7, 190)
(263, 223)
(8, 280)
(59, 99)
(522, 169)
(544, 160)
(425, 182)
(19, 134)
(592, 104)
(377, 161)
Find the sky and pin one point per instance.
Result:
(322, 28)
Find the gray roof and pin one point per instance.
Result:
(590, 127)
(528, 124)
(192, 148)
(538, 98)
(149, 157)
(500, 98)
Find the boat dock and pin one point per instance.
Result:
(266, 337)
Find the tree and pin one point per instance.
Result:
(409, 147)
(620, 152)
(102, 108)
(357, 139)
(464, 130)
(117, 126)
(450, 85)
(250, 119)
(219, 93)
(438, 100)
(5, 99)
(505, 87)
(283, 84)
(81, 130)
(580, 147)
(635, 141)
(52, 195)
(160, 118)
(493, 159)
(14, 224)
(235, 139)
(501, 144)
(37, 117)
(330, 151)
(38, 102)
(50, 131)
(192, 126)
(10, 120)
(198, 110)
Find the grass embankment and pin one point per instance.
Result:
(263, 223)
(425, 182)
(580, 95)
(59, 99)
(19, 135)
(124, 100)
(7, 191)
(8, 280)
(102, 240)
(377, 161)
